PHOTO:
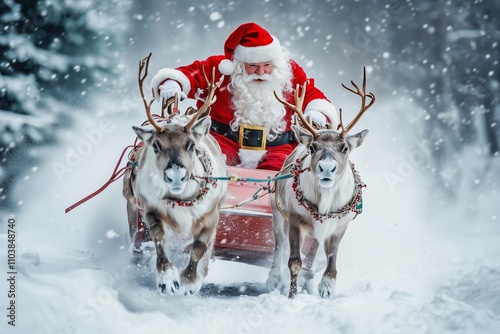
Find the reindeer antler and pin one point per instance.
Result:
(166, 104)
(362, 110)
(211, 87)
(144, 65)
(299, 101)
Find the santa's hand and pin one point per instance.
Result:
(316, 116)
(169, 88)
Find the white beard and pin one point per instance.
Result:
(250, 158)
(255, 103)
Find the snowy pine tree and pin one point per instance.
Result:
(54, 55)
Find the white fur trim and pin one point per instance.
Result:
(326, 108)
(250, 158)
(258, 54)
(226, 67)
(170, 73)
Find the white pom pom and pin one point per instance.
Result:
(226, 67)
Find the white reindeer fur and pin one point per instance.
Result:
(326, 200)
(151, 187)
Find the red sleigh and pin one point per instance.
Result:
(245, 229)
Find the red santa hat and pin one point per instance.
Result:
(249, 43)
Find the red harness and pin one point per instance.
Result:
(117, 174)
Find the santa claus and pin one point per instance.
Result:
(251, 126)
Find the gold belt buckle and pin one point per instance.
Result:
(243, 136)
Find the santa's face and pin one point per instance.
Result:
(259, 68)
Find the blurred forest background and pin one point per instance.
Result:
(436, 63)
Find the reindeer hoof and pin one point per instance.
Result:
(192, 288)
(326, 288)
(275, 281)
(305, 280)
(163, 288)
(169, 282)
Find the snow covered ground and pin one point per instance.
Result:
(403, 268)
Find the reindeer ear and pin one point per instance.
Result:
(144, 134)
(357, 139)
(302, 135)
(201, 127)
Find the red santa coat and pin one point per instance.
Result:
(191, 79)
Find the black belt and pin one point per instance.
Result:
(252, 138)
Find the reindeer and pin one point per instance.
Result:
(320, 199)
(171, 188)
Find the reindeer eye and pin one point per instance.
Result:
(156, 148)
(312, 148)
(191, 147)
(345, 149)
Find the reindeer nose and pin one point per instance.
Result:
(326, 172)
(322, 166)
(175, 173)
(176, 178)
(327, 167)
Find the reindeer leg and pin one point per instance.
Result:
(294, 262)
(204, 262)
(132, 217)
(326, 287)
(309, 248)
(276, 278)
(167, 275)
(203, 242)
(189, 276)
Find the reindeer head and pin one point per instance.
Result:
(172, 152)
(329, 148)
(329, 152)
(172, 148)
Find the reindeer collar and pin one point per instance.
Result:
(207, 183)
(355, 206)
